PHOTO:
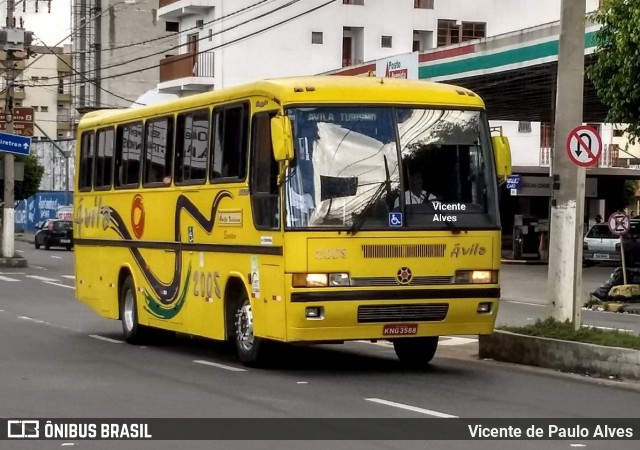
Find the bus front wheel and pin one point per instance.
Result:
(134, 333)
(416, 352)
(248, 346)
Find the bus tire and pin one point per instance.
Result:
(248, 346)
(133, 332)
(416, 352)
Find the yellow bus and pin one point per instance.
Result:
(302, 210)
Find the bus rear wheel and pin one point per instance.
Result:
(416, 352)
(248, 346)
(134, 333)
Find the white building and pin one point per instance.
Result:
(226, 43)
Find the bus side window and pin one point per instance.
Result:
(229, 145)
(128, 155)
(87, 152)
(158, 150)
(265, 200)
(104, 160)
(192, 145)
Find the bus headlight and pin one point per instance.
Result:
(320, 279)
(476, 276)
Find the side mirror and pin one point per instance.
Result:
(281, 138)
(502, 155)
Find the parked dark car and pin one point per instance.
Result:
(631, 243)
(55, 233)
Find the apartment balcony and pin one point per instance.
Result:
(64, 122)
(187, 72)
(610, 157)
(64, 97)
(64, 63)
(174, 9)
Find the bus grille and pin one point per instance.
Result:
(393, 281)
(402, 313)
(404, 251)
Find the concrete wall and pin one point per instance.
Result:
(122, 24)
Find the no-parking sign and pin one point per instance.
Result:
(584, 146)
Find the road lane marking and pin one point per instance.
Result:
(412, 408)
(106, 339)
(13, 273)
(3, 278)
(56, 257)
(19, 251)
(220, 366)
(584, 325)
(32, 319)
(70, 277)
(524, 303)
(37, 277)
(456, 341)
(61, 285)
(38, 267)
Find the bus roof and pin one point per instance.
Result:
(329, 89)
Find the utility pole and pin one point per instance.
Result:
(567, 203)
(8, 227)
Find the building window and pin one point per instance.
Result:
(386, 42)
(35, 108)
(353, 2)
(192, 43)
(524, 127)
(546, 135)
(423, 4)
(454, 32)
(618, 132)
(316, 37)
(44, 108)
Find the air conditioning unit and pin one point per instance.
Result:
(200, 23)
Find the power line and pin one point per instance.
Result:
(84, 77)
(241, 38)
(286, 5)
(221, 18)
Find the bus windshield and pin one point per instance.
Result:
(375, 168)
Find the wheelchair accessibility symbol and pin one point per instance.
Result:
(395, 219)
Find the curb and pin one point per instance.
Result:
(567, 356)
(16, 261)
(529, 262)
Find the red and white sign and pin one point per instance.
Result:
(584, 146)
(619, 223)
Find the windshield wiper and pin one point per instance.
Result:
(384, 186)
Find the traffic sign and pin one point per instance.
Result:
(619, 223)
(22, 120)
(584, 146)
(13, 143)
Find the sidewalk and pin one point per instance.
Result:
(507, 258)
(25, 237)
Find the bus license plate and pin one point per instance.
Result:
(401, 329)
(601, 256)
(65, 241)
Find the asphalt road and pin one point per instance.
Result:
(58, 359)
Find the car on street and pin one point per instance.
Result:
(55, 233)
(600, 245)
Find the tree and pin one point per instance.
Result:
(617, 64)
(33, 172)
